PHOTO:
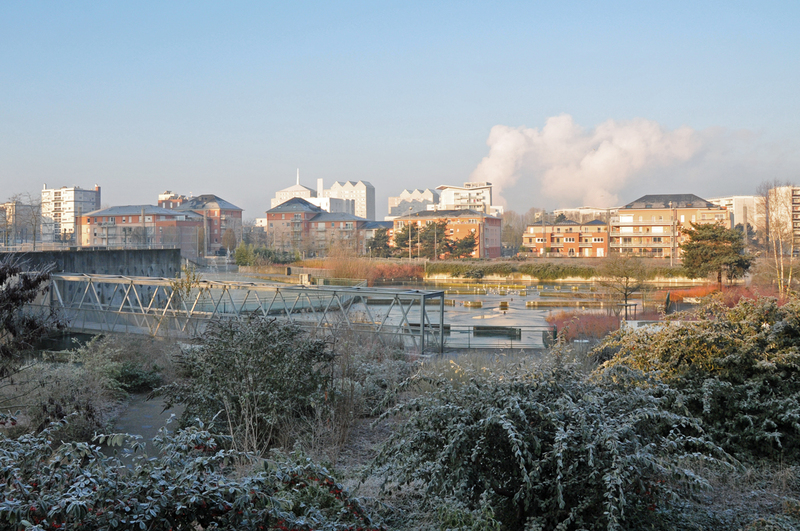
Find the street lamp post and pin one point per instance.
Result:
(409, 233)
(672, 236)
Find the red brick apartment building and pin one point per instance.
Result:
(568, 238)
(297, 225)
(218, 215)
(134, 226)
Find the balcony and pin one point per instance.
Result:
(661, 245)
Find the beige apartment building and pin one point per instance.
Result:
(651, 225)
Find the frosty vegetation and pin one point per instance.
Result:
(691, 425)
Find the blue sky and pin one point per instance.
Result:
(230, 98)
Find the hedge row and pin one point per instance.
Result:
(541, 271)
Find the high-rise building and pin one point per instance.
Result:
(471, 196)
(61, 207)
(746, 209)
(362, 192)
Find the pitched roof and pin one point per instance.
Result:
(136, 210)
(378, 225)
(595, 222)
(663, 201)
(336, 216)
(298, 188)
(438, 214)
(295, 204)
(206, 202)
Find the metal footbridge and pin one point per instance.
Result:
(172, 308)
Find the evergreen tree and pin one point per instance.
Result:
(715, 249)
(379, 244)
(466, 246)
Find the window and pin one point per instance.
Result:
(598, 240)
(657, 240)
(626, 240)
(539, 240)
(569, 240)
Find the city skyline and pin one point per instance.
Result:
(557, 104)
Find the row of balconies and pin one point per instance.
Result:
(661, 245)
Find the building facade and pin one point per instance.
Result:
(745, 209)
(472, 196)
(141, 226)
(62, 206)
(568, 238)
(361, 193)
(460, 224)
(218, 215)
(586, 213)
(297, 225)
(651, 225)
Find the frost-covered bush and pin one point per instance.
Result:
(251, 380)
(190, 485)
(547, 448)
(738, 369)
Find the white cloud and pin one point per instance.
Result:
(571, 165)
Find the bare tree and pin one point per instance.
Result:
(623, 274)
(779, 232)
(26, 212)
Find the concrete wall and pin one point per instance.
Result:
(127, 262)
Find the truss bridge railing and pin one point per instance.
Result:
(173, 308)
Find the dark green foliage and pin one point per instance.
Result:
(549, 449)
(403, 241)
(251, 379)
(435, 240)
(378, 246)
(20, 285)
(464, 247)
(251, 255)
(538, 270)
(135, 378)
(738, 368)
(190, 485)
(714, 249)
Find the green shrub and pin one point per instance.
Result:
(738, 368)
(548, 449)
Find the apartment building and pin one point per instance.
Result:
(62, 206)
(296, 190)
(745, 209)
(472, 196)
(298, 225)
(219, 216)
(651, 225)
(361, 193)
(460, 223)
(141, 226)
(586, 213)
(355, 198)
(568, 238)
